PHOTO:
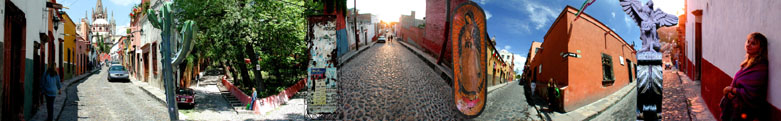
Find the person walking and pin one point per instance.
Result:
(51, 85)
(746, 98)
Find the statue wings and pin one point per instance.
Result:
(634, 9)
(664, 19)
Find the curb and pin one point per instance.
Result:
(349, 57)
(592, 110)
(152, 95)
(614, 102)
(70, 83)
(444, 72)
(498, 86)
(159, 99)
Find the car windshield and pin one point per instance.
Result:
(117, 68)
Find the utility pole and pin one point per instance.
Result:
(355, 25)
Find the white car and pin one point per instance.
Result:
(381, 39)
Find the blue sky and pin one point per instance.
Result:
(121, 10)
(516, 23)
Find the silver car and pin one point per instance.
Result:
(381, 39)
(117, 72)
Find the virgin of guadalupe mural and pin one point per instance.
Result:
(469, 58)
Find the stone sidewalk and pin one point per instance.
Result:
(691, 99)
(60, 99)
(593, 111)
(498, 86)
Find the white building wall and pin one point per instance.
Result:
(725, 26)
(2, 21)
(34, 13)
(152, 35)
(350, 34)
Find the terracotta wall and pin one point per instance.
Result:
(582, 76)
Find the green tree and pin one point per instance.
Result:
(271, 33)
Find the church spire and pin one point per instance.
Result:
(99, 4)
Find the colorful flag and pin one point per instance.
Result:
(582, 8)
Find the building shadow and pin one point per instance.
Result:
(70, 110)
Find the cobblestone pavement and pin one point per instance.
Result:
(97, 99)
(506, 103)
(389, 82)
(623, 110)
(674, 101)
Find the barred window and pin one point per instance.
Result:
(607, 70)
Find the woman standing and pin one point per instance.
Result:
(51, 87)
(746, 98)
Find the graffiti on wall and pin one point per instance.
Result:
(469, 37)
(322, 66)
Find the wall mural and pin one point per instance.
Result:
(322, 77)
(469, 37)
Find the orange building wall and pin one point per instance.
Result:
(582, 76)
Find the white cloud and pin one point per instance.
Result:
(613, 13)
(517, 26)
(507, 47)
(487, 14)
(539, 14)
(628, 21)
(124, 2)
(519, 61)
(481, 2)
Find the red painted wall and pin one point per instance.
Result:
(433, 35)
(582, 76)
(713, 82)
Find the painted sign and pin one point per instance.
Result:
(322, 66)
(469, 37)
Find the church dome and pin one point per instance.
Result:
(100, 22)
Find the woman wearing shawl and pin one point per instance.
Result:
(746, 98)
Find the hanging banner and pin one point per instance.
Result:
(321, 71)
(469, 39)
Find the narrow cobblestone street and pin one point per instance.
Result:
(674, 102)
(388, 82)
(97, 99)
(506, 102)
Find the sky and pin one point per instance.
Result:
(390, 10)
(516, 23)
(121, 9)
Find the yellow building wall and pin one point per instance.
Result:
(69, 44)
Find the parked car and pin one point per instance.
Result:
(381, 39)
(185, 97)
(117, 72)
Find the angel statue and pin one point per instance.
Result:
(648, 20)
(649, 69)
